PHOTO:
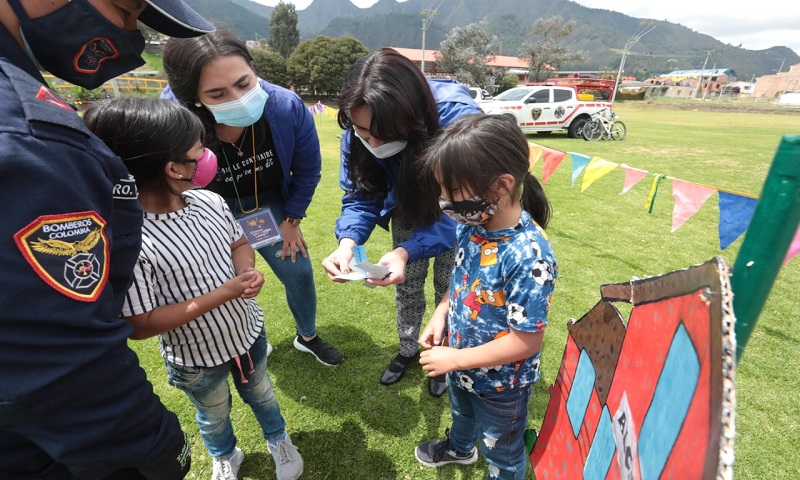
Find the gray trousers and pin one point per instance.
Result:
(410, 295)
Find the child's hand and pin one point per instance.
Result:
(439, 360)
(238, 285)
(255, 286)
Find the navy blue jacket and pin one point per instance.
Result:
(69, 237)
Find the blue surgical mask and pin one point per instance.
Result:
(472, 211)
(88, 49)
(243, 111)
(386, 150)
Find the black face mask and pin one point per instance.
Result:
(78, 44)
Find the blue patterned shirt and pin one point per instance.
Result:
(501, 280)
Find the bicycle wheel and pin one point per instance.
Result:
(593, 131)
(618, 131)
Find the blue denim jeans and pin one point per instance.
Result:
(500, 419)
(208, 390)
(297, 278)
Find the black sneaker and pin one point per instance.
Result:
(324, 353)
(436, 453)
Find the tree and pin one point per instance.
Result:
(321, 64)
(270, 66)
(465, 52)
(544, 49)
(283, 33)
(506, 82)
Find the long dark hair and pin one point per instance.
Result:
(184, 59)
(402, 106)
(146, 133)
(471, 153)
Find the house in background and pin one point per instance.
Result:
(778, 83)
(512, 65)
(687, 83)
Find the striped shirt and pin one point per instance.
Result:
(186, 254)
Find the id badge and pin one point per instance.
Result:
(260, 228)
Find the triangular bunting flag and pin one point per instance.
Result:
(552, 159)
(794, 248)
(651, 197)
(689, 197)
(596, 169)
(534, 155)
(632, 177)
(735, 212)
(579, 162)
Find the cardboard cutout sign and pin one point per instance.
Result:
(653, 399)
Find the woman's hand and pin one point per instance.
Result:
(293, 241)
(396, 262)
(338, 262)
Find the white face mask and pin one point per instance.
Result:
(386, 150)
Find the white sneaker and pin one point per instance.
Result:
(288, 462)
(269, 349)
(228, 469)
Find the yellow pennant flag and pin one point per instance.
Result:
(333, 113)
(596, 168)
(534, 155)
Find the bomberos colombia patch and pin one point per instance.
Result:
(69, 252)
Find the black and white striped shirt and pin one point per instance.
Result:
(186, 254)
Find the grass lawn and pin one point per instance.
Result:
(348, 426)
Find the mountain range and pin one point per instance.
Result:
(601, 34)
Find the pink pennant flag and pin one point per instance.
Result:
(794, 248)
(689, 197)
(632, 177)
(596, 169)
(552, 159)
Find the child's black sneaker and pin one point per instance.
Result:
(436, 453)
(323, 352)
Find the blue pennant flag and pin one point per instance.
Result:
(579, 162)
(735, 212)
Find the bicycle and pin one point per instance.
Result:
(604, 125)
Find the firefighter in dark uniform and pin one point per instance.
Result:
(74, 402)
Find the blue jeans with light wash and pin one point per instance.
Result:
(500, 419)
(208, 390)
(297, 278)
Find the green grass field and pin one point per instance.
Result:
(348, 426)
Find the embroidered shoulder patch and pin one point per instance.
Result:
(69, 252)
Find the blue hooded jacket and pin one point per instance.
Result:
(296, 144)
(360, 213)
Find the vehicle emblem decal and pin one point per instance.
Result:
(69, 252)
(536, 113)
(559, 112)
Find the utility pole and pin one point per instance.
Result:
(427, 18)
(644, 29)
(708, 84)
(702, 72)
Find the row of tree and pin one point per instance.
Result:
(319, 65)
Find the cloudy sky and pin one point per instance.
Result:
(754, 25)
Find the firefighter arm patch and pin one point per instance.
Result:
(69, 252)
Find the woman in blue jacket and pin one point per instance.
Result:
(269, 157)
(389, 111)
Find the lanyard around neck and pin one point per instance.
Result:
(255, 178)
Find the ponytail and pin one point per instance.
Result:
(534, 200)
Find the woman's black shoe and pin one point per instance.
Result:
(396, 369)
